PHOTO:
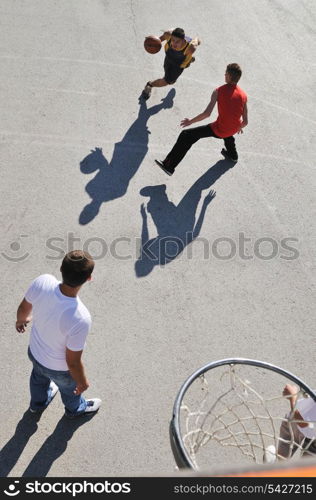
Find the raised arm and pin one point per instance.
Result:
(206, 113)
(290, 392)
(195, 42)
(166, 35)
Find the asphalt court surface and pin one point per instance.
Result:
(77, 169)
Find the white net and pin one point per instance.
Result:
(234, 414)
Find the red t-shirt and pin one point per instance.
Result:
(231, 100)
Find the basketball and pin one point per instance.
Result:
(152, 44)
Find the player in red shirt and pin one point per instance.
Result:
(232, 118)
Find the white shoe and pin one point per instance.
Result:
(93, 405)
(269, 456)
(53, 391)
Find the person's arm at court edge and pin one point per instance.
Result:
(291, 391)
(23, 316)
(244, 122)
(206, 113)
(76, 369)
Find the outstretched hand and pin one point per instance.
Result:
(185, 122)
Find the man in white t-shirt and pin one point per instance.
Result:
(60, 325)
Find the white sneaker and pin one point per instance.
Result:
(53, 391)
(93, 405)
(269, 456)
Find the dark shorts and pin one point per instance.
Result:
(172, 72)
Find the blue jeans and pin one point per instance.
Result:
(41, 393)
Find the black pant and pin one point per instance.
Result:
(172, 72)
(189, 137)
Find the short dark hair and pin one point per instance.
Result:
(234, 70)
(76, 268)
(178, 32)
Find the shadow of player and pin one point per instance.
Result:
(112, 179)
(177, 225)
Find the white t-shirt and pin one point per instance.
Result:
(307, 409)
(58, 322)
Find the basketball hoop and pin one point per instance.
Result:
(230, 411)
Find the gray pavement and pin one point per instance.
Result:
(77, 149)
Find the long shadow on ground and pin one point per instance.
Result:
(177, 226)
(13, 449)
(112, 179)
(54, 446)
